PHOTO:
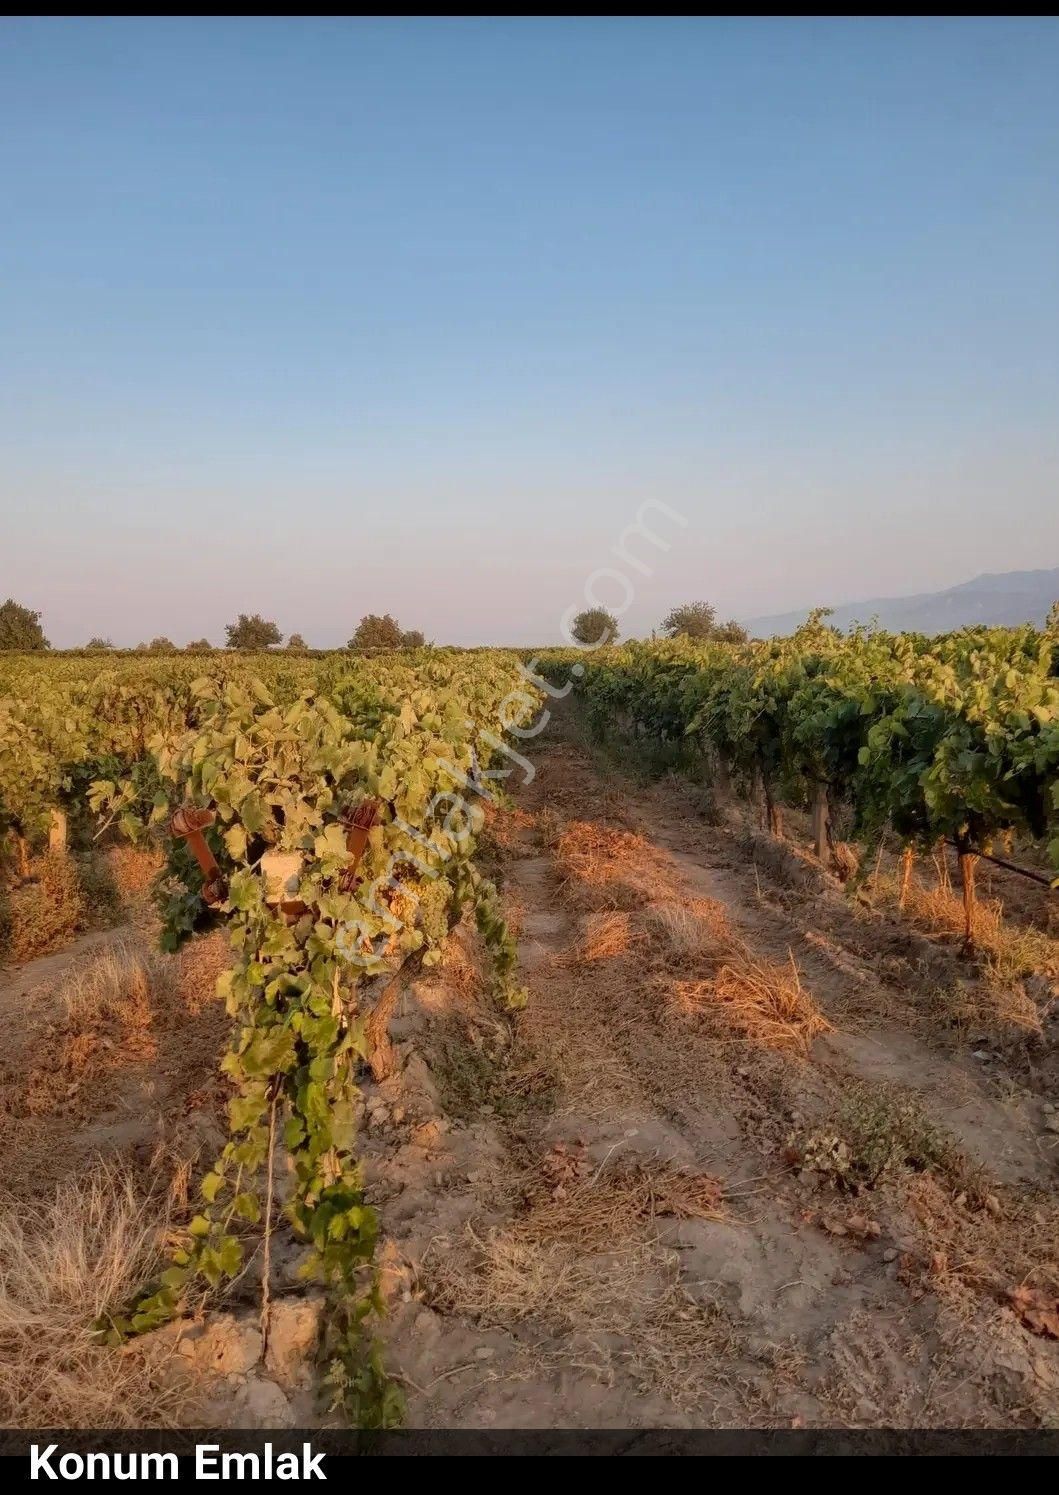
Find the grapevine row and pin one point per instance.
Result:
(954, 738)
(282, 784)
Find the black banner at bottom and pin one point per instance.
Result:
(312, 1454)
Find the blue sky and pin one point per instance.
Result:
(318, 317)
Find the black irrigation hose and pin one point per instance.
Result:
(1040, 877)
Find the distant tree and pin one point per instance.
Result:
(255, 633)
(198, 646)
(297, 643)
(413, 638)
(1051, 626)
(692, 620)
(595, 626)
(373, 632)
(161, 645)
(97, 645)
(20, 628)
(698, 620)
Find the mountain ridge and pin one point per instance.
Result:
(999, 598)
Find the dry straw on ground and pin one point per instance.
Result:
(133, 870)
(637, 898)
(115, 986)
(604, 935)
(1009, 949)
(62, 1264)
(762, 1000)
(690, 929)
(601, 1210)
(993, 1244)
(603, 868)
(44, 914)
(991, 1005)
(108, 1010)
(590, 1267)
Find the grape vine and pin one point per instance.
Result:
(312, 957)
(955, 738)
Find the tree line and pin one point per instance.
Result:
(22, 631)
(696, 620)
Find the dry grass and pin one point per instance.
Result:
(973, 1006)
(764, 1001)
(630, 1292)
(61, 1266)
(637, 898)
(589, 1266)
(46, 913)
(133, 870)
(65, 895)
(115, 986)
(462, 963)
(108, 1009)
(993, 1246)
(597, 1211)
(691, 929)
(600, 1211)
(123, 1047)
(1009, 950)
(603, 868)
(639, 906)
(512, 827)
(604, 935)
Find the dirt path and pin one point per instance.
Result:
(880, 983)
(737, 1163)
(666, 1211)
(23, 987)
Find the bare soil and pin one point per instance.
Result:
(139, 1083)
(762, 1149)
(670, 1209)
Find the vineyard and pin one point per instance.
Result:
(341, 807)
(951, 740)
(376, 840)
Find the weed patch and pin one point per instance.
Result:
(878, 1133)
(481, 1070)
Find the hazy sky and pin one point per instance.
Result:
(319, 318)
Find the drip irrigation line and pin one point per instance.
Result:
(1039, 877)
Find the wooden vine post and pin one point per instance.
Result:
(822, 823)
(57, 833)
(968, 862)
(358, 828)
(907, 859)
(757, 796)
(773, 813)
(722, 778)
(941, 864)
